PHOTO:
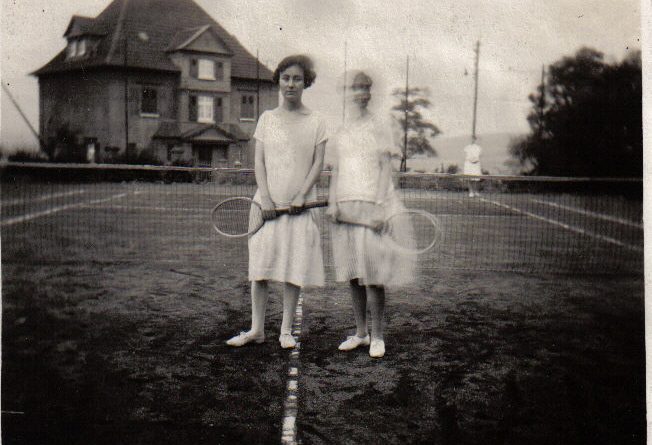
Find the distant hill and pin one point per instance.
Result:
(495, 151)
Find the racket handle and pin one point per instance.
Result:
(306, 206)
(315, 204)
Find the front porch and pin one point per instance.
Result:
(202, 145)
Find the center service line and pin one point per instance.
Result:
(291, 405)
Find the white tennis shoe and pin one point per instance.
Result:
(287, 341)
(245, 337)
(377, 348)
(353, 342)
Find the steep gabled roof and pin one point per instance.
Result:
(145, 29)
(79, 26)
(183, 39)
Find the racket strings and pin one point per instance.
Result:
(413, 231)
(236, 217)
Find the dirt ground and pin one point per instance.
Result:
(482, 358)
(130, 352)
(114, 334)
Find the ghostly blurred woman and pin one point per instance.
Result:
(361, 197)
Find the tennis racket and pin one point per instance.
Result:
(410, 231)
(242, 216)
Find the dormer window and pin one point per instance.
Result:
(206, 69)
(76, 48)
(72, 49)
(81, 47)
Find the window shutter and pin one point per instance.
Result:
(154, 101)
(219, 71)
(192, 109)
(194, 70)
(217, 109)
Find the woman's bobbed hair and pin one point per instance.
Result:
(302, 61)
(361, 78)
(352, 77)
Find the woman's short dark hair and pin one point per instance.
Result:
(302, 61)
(362, 78)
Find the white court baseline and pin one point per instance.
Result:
(50, 211)
(589, 213)
(42, 197)
(574, 229)
(291, 405)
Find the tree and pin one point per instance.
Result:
(419, 130)
(586, 121)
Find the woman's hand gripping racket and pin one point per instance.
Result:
(242, 216)
(409, 231)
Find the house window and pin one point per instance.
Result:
(205, 109)
(72, 49)
(149, 102)
(247, 107)
(206, 70)
(81, 47)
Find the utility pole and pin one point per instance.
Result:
(475, 94)
(405, 133)
(126, 92)
(257, 86)
(344, 86)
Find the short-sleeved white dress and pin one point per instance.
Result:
(288, 248)
(359, 150)
(472, 164)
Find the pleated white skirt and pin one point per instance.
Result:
(288, 249)
(360, 252)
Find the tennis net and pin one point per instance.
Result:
(116, 213)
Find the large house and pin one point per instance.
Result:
(157, 75)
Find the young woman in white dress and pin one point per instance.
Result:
(362, 193)
(290, 143)
(472, 166)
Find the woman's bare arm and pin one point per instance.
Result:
(260, 170)
(317, 165)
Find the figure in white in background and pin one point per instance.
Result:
(472, 166)
(90, 153)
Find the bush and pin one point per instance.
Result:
(234, 178)
(65, 146)
(180, 176)
(143, 157)
(27, 156)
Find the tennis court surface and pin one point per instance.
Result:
(525, 325)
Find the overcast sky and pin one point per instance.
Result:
(517, 38)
